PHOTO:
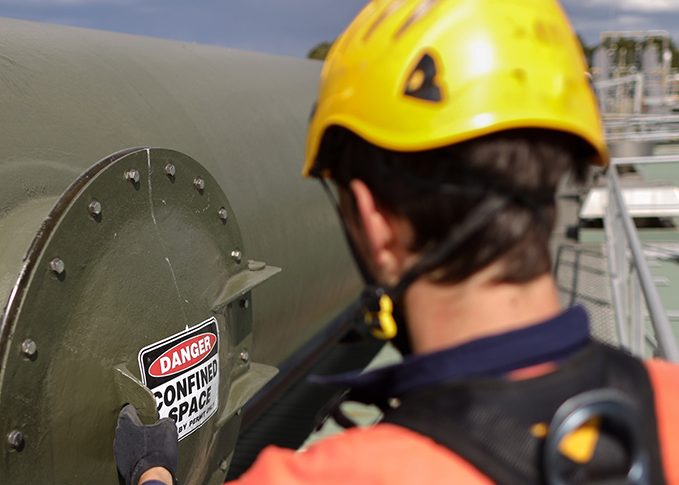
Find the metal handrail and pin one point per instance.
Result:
(619, 85)
(645, 160)
(641, 136)
(617, 212)
(639, 119)
(617, 81)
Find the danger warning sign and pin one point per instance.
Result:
(182, 372)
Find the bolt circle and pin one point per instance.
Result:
(223, 214)
(170, 169)
(15, 440)
(94, 208)
(57, 266)
(133, 175)
(29, 348)
(236, 255)
(199, 184)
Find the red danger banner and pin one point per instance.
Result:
(182, 372)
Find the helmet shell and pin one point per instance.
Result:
(413, 75)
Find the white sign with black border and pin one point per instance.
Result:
(182, 372)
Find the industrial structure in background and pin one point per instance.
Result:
(632, 72)
(624, 265)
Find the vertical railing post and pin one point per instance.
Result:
(667, 343)
(639, 93)
(635, 313)
(617, 255)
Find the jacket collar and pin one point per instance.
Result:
(552, 340)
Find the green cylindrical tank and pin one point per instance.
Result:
(146, 188)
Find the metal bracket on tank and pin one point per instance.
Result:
(246, 386)
(239, 284)
(257, 375)
(132, 391)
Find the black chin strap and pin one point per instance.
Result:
(379, 303)
(368, 278)
(455, 238)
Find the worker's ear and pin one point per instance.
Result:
(380, 235)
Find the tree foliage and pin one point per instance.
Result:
(632, 50)
(320, 51)
(587, 49)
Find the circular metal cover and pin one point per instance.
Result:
(134, 252)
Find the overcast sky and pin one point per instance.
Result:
(292, 27)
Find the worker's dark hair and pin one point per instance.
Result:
(524, 165)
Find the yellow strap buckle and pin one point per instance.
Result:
(382, 323)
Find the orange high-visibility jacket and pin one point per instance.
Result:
(391, 455)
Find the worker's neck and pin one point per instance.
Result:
(444, 316)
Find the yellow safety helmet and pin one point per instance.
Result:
(412, 75)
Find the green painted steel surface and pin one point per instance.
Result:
(69, 97)
(158, 258)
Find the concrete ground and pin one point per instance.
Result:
(360, 413)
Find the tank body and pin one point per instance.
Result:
(69, 98)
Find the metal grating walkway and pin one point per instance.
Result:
(581, 274)
(581, 269)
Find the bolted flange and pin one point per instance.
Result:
(97, 248)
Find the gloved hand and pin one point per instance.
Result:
(138, 447)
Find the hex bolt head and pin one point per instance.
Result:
(244, 356)
(236, 255)
(94, 208)
(223, 214)
(170, 169)
(29, 348)
(133, 175)
(199, 183)
(15, 440)
(244, 303)
(224, 465)
(57, 266)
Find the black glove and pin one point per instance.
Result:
(137, 447)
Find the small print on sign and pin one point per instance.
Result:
(182, 372)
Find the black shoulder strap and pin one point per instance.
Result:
(492, 423)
